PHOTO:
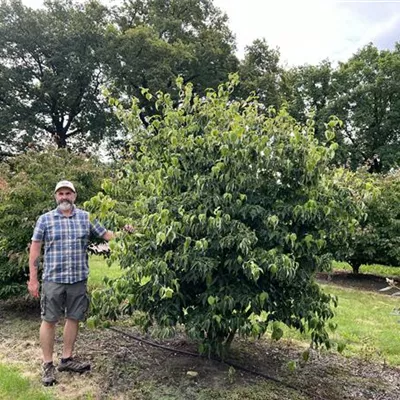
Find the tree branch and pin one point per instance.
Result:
(7, 154)
(73, 133)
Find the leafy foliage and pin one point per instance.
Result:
(152, 42)
(26, 191)
(55, 60)
(261, 74)
(377, 237)
(233, 212)
(363, 92)
(50, 73)
(310, 90)
(368, 95)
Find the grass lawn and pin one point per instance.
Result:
(99, 269)
(13, 386)
(375, 269)
(365, 325)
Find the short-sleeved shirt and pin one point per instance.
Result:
(66, 240)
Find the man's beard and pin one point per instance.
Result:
(65, 205)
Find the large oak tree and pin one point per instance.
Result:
(50, 74)
(155, 41)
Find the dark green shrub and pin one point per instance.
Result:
(26, 190)
(377, 238)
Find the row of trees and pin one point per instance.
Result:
(56, 60)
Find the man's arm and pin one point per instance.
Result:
(34, 255)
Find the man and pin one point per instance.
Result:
(65, 232)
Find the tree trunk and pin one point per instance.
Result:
(61, 140)
(229, 340)
(356, 267)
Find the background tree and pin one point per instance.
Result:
(155, 41)
(26, 191)
(50, 73)
(233, 213)
(311, 90)
(367, 88)
(377, 237)
(363, 92)
(261, 74)
(56, 58)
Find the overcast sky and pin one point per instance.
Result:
(308, 31)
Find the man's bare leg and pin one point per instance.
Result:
(68, 363)
(47, 333)
(71, 328)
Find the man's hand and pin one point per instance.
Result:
(125, 229)
(33, 288)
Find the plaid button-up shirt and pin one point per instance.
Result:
(65, 244)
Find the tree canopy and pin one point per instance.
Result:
(50, 74)
(363, 93)
(55, 61)
(155, 41)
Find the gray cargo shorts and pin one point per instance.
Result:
(64, 299)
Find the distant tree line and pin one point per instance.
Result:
(56, 60)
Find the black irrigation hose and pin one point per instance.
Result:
(236, 366)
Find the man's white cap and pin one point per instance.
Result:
(65, 184)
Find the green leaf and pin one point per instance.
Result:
(305, 355)
(277, 333)
(166, 292)
(263, 296)
(145, 280)
(161, 237)
(211, 300)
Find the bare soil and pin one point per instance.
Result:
(123, 368)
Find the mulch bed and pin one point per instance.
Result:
(368, 282)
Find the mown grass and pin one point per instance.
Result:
(374, 269)
(366, 325)
(99, 270)
(13, 386)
